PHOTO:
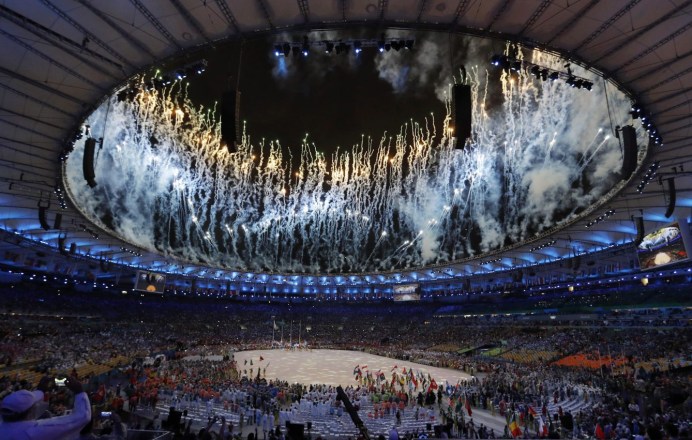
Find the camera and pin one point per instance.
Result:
(60, 382)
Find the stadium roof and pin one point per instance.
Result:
(61, 57)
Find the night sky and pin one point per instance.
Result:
(332, 98)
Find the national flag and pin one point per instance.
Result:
(542, 428)
(598, 433)
(514, 427)
(467, 404)
(393, 368)
(364, 367)
(261, 358)
(433, 385)
(532, 411)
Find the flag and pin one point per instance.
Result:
(364, 367)
(261, 358)
(514, 427)
(433, 385)
(468, 406)
(404, 370)
(532, 411)
(542, 428)
(393, 368)
(598, 433)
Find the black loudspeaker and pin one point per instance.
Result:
(461, 104)
(671, 197)
(639, 223)
(73, 248)
(229, 119)
(42, 217)
(61, 245)
(629, 153)
(88, 162)
(295, 431)
(58, 221)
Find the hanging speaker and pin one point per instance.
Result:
(88, 162)
(42, 217)
(229, 119)
(61, 245)
(671, 197)
(461, 104)
(58, 221)
(639, 223)
(73, 248)
(629, 153)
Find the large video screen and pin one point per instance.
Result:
(406, 292)
(150, 282)
(663, 246)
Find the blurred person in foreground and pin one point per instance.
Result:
(21, 411)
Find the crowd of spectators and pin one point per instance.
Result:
(58, 333)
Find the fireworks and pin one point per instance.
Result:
(167, 184)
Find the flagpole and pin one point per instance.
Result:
(300, 329)
(290, 335)
(273, 328)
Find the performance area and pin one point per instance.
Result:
(371, 382)
(332, 367)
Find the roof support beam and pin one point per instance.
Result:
(86, 32)
(37, 101)
(608, 23)
(192, 21)
(31, 118)
(663, 66)
(344, 8)
(664, 41)
(45, 57)
(536, 15)
(40, 85)
(54, 37)
(226, 11)
(27, 129)
(265, 11)
(156, 23)
(667, 80)
(631, 38)
(577, 16)
(421, 9)
(126, 35)
(499, 13)
(304, 10)
(383, 8)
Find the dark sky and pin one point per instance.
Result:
(324, 95)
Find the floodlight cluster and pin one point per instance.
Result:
(600, 218)
(648, 176)
(543, 246)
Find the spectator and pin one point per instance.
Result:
(21, 409)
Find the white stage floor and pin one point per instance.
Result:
(331, 367)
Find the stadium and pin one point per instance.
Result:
(465, 213)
